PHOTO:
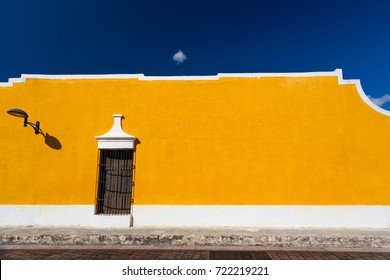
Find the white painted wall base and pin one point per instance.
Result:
(201, 216)
(58, 215)
(264, 216)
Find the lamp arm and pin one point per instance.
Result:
(35, 126)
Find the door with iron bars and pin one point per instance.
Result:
(115, 182)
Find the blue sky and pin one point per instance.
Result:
(125, 36)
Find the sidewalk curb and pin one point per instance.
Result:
(195, 237)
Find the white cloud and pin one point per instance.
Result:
(380, 100)
(179, 57)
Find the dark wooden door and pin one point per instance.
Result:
(115, 182)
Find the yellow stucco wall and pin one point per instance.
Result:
(232, 141)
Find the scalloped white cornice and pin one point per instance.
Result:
(337, 73)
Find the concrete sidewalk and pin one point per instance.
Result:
(190, 237)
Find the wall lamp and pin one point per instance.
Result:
(22, 114)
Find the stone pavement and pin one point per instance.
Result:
(198, 237)
(127, 253)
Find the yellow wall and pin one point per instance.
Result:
(233, 141)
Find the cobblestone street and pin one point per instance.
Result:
(78, 243)
(184, 254)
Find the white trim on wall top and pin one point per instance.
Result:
(338, 73)
(286, 216)
(142, 77)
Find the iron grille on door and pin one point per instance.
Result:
(114, 183)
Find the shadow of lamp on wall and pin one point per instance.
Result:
(51, 141)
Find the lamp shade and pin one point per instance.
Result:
(17, 113)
